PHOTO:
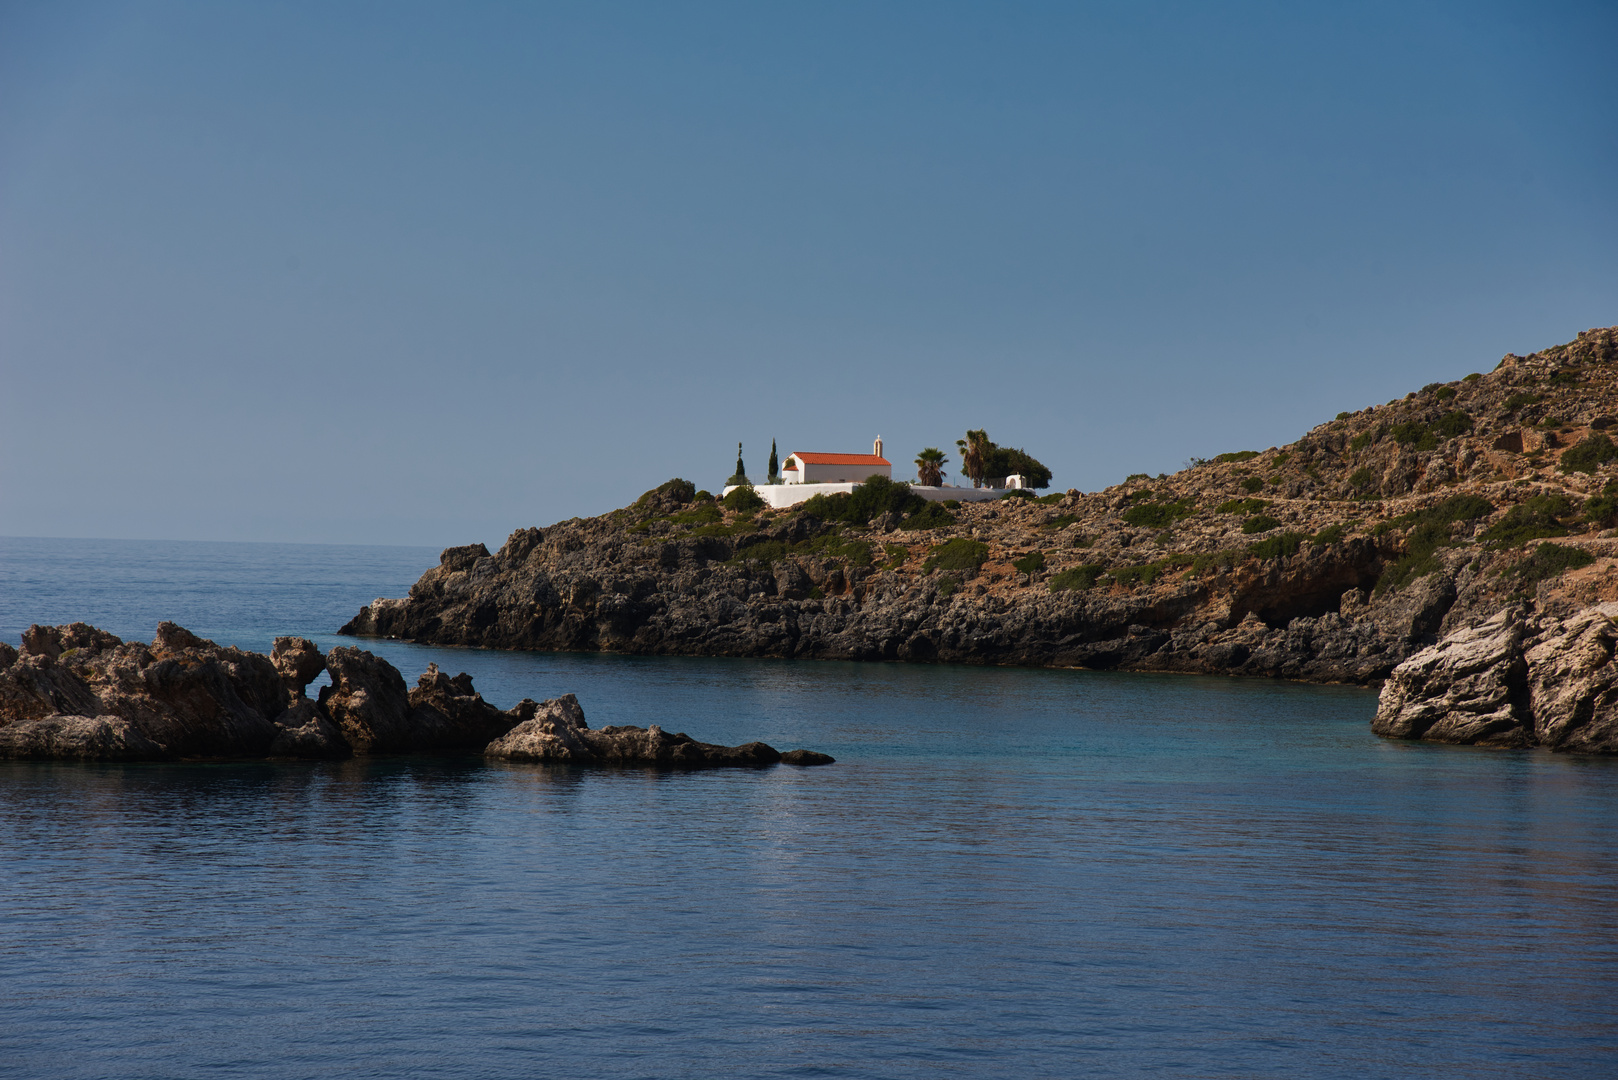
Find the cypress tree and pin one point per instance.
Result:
(775, 466)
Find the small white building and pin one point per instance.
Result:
(807, 467)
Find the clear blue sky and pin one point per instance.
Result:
(380, 272)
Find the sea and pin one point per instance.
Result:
(1007, 873)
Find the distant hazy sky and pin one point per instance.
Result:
(383, 272)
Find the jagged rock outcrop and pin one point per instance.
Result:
(1334, 558)
(1517, 679)
(78, 693)
(557, 733)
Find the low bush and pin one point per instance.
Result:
(931, 516)
(1077, 579)
(947, 586)
(1603, 509)
(681, 490)
(1061, 521)
(897, 554)
(1521, 400)
(1032, 563)
(703, 514)
(1444, 393)
(1564, 378)
(742, 500)
(1343, 416)
(1474, 377)
(1534, 519)
(1277, 547)
(1243, 506)
(960, 553)
(1052, 499)
(1547, 561)
(1159, 515)
(703, 496)
(833, 507)
(1237, 455)
(1589, 455)
(1361, 441)
(1260, 523)
(1018, 493)
(1331, 534)
(952, 504)
(1362, 480)
(1251, 484)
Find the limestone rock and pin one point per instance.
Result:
(299, 661)
(1469, 688)
(78, 738)
(454, 715)
(807, 757)
(1573, 682)
(558, 734)
(303, 731)
(368, 702)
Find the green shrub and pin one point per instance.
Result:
(1077, 579)
(1159, 515)
(1361, 441)
(957, 554)
(1474, 377)
(1017, 493)
(930, 516)
(703, 496)
(1453, 424)
(1416, 435)
(833, 507)
(1547, 561)
(1137, 476)
(1590, 454)
(1051, 499)
(1522, 399)
(1260, 523)
(952, 504)
(877, 496)
(1251, 484)
(1032, 563)
(897, 555)
(1343, 416)
(1061, 521)
(1277, 547)
(1242, 506)
(1533, 519)
(1331, 534)
(682, 491)
(1603, 509)
(702, 514)
(1362, 479)
(817, 593)
(743, 499)
(1238, 455)
(1444, 393)
(947, 586)
(1564, 378)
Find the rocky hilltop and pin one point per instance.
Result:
(78, 693)
(1337, 557)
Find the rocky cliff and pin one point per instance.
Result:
(1334, 558)
(78, 693)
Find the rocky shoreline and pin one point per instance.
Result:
(78, 693)
(1336, 558)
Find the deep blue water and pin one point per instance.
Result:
(1008, 873)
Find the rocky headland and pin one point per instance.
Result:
(78, 693)
(1339, 557)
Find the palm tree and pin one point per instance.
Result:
(930, 467)
(973, 449)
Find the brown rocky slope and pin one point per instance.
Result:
(1334, 558)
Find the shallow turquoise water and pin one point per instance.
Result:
(1008, 873)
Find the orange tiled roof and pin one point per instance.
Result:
(839, 459)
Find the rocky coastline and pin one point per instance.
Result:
(1336, 558)
(78, 693)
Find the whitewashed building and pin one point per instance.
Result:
(809, 473)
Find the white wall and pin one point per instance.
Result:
(781, 496)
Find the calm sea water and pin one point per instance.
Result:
(1007, 874)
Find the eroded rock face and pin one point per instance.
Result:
(1472, 687)
(1518, 679)
(558, 734)
(77, 693)
(1573, 682)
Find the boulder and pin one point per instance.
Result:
(78, 738)
(807, 757)
(456, 716)
(368, 702)
(299, 661)
(1469, 688)
(558, 734)
(303, 731)
(1573, 682)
